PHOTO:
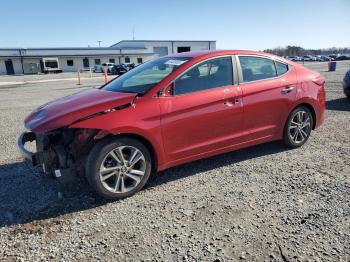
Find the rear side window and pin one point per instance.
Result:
(281, 68)
(209, 74)
(257, 68)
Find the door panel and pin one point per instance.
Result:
(267, 103)
(9, 67)
(203, 121)
(86, 63)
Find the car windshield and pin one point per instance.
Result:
(144, 77)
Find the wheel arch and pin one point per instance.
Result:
(142, 139)
(312, 110)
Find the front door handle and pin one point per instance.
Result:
(230, 103)
(287, 90)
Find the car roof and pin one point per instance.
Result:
(210, 53)
(218, 52)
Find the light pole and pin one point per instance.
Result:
(99, 43)
(22, 53)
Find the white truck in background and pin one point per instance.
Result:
(51, 65)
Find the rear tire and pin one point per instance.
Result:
(298, 127)
(119, 167)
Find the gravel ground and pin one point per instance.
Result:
(264, 203)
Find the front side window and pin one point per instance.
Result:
(209, 74)
(142, 78)
(257, 68)
(281, 68)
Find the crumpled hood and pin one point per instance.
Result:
(66, 110)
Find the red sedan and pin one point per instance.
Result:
(173, 110)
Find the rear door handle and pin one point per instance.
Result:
(287, 90)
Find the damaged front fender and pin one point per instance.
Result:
(77, 107)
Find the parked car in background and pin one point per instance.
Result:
(318, 58)
(129, 66)
(101, 68)
(119, 69)
(294, 58)
(342, 57)
(332, 57)
(322, 58)
(173, 110)
(346, 84)
(307, 58)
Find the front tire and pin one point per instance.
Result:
(119, 167)
(298, 127)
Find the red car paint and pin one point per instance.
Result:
(195, 125)
(66, 110)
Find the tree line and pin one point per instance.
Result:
(299, 51)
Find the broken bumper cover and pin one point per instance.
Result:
(25, 137)
(53, 162)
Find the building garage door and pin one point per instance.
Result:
(161, 50)
(31, 68)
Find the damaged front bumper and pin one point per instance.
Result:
(25, 137)
(53, 159)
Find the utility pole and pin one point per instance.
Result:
(99, 43)
(133, 33)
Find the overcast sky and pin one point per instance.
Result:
(246, 24)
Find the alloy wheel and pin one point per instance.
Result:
(300, 127)
(122, 169)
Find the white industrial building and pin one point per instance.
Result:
(164, 47)
(36, 60)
